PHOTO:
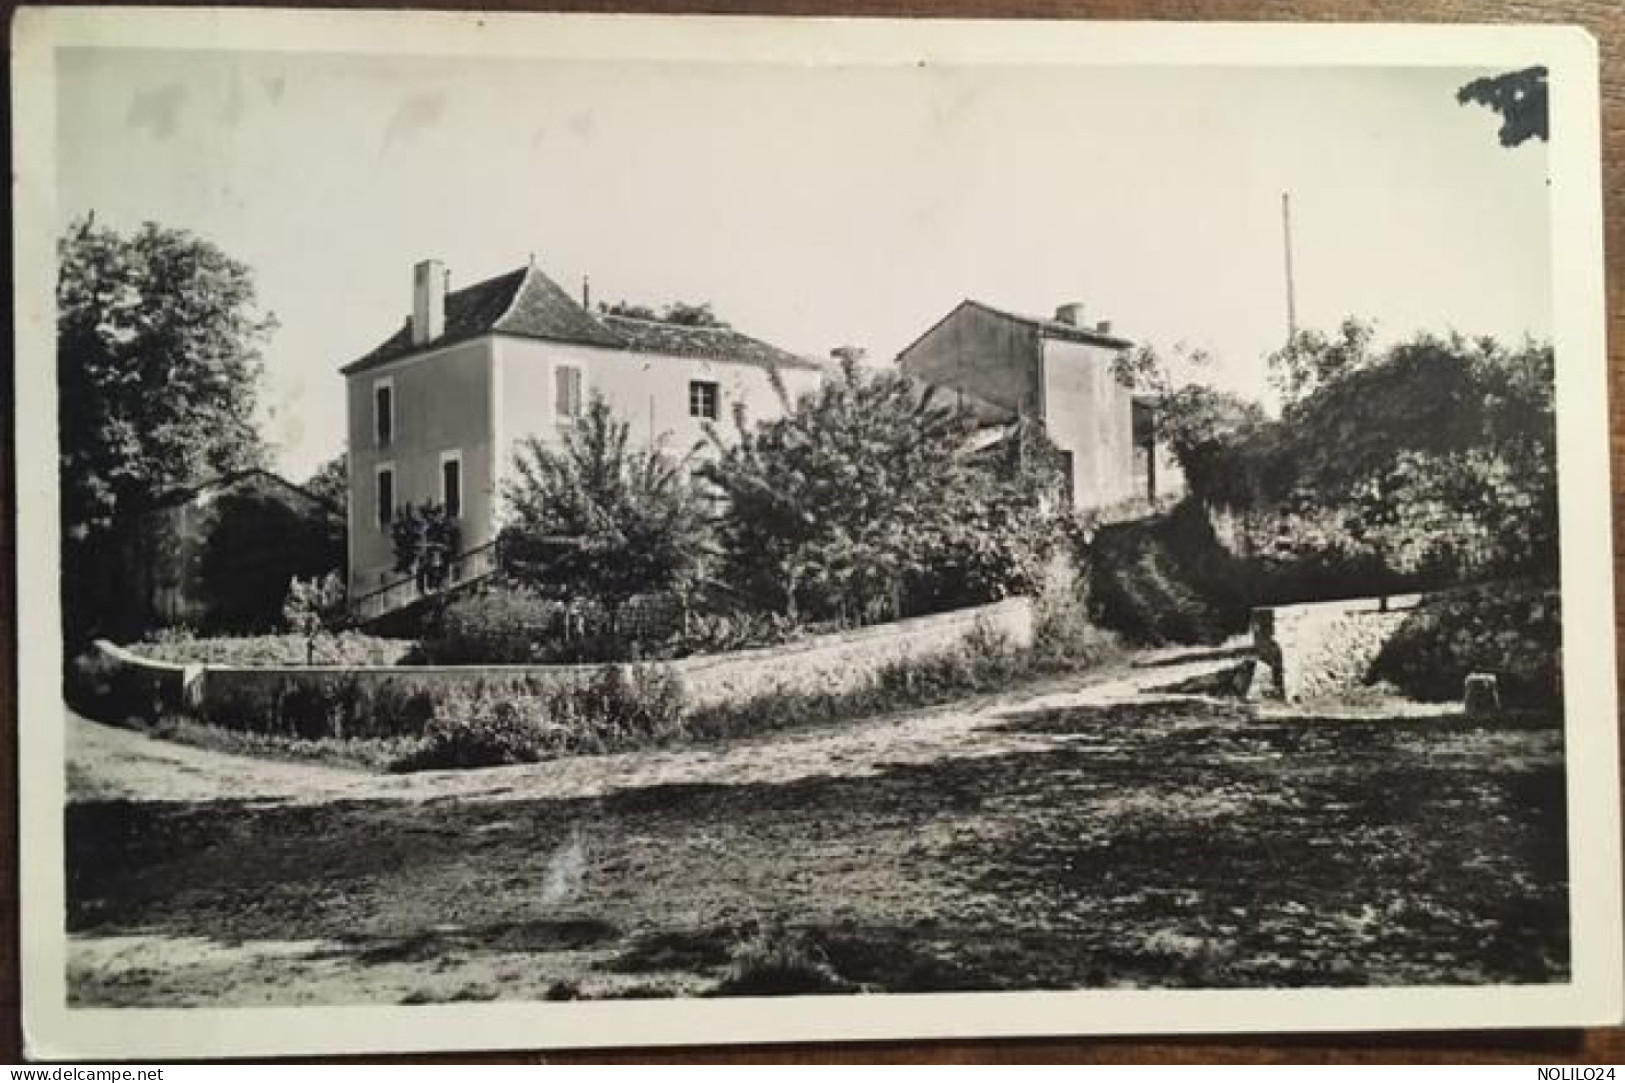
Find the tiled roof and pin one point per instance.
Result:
(529, 304)
(1057, 328)
(719, 343)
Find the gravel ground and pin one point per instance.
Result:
(1087, 833)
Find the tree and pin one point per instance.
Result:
(158, 355)
(595, 517)
(1521, 99)
(691, 315)
(312, 608)
(331, 482)
(158, 366)
(861, 502)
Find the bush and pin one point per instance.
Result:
(497, 626)
(482, 730)
(613, 708)
(1513, 630)
(101, 688)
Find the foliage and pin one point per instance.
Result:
(158, 367)
(331, 482)
(777, 961)
(257, 539)
(683, 313)
(614, 707)
(158, 355)
(1195, 421)
(1513, 630)
(499, 625)
(1430, 462)
(313, 608)
(99, 687)
(1311, 359)
(598, 518)
(1519, 97)
(341, 706)
(426, 539)
(1166, 579)
(691, 315)
(628, 310)
(860, 503)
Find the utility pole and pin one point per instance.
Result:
(1291, 297)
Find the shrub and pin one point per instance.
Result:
(339, 706)
(496, 626)
(1513, 630)
(102, 688)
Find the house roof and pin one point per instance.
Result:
(186, 494)
(1046, 327)
(720, 343)
(528, 304)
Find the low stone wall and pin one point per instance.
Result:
(1325, 648)
(829, 663)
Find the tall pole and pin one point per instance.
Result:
(1286, 238)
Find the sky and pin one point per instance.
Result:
(815, 206)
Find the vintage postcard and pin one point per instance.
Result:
(556, 531)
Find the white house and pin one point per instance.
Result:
(436, 411)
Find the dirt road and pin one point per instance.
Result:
(1085, 833)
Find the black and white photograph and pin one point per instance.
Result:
(571, 531)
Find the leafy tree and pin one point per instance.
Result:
(426, 540)
(861, 500)
(158, 355)
(331, 482)
(595, 517)
(259, 536)
(627, 309)
(679, 312)
(1521, 99)
(158, 365)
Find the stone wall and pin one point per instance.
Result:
(1325, 648)
(845, 660)
(829, 663)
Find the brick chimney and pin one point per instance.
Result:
(1070, 314)
(428, 301)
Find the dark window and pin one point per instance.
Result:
(451, 487)
(383, 414)
(702, 399)
(567, 391)
(386, 496)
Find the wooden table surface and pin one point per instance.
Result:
(1606, 21)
